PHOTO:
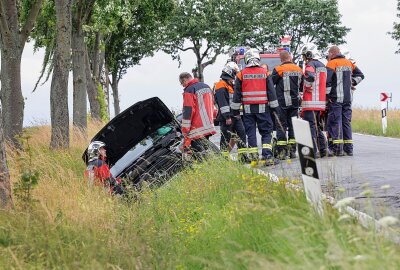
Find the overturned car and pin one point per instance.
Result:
(142, 144)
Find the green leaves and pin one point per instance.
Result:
(396, 28)
(137, 32)
(315, 21)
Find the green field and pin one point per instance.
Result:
(216, 215)
(369, 121)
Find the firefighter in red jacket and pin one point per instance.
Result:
(314, 96)
(97, 172)
(287, 79)
(230, 125)
(197, 115)
(343, 76)
(254, 89)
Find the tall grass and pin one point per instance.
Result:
(369, 121)
(215, 215)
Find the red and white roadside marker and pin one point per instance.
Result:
(385, 98)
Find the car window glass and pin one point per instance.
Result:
(139, 149)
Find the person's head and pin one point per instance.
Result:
(333, 52)
(285, 56)
(252, 55)
(230, 69)
(310, 51)
(265, 66)
(96, 149)
(185, 78)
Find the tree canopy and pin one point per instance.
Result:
(396, 28)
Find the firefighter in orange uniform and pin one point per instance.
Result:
(287, 79)
(230, 125)
(254, 89)
(198, 110)
(342, 77)
(314, 96)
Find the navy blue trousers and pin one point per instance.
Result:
(319, 141)
(286, 124)
(339, 127)
(264, 123)
(236, 128)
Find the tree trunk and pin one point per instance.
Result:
(107, 90)
(11, 92)
(96, 58)
(200, 70)
(59, 82)
(114, 86)
(12, 42)
(94, 99)
(5, 187)
(79, 79)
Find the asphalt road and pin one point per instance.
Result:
(376, 163)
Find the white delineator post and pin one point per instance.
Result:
(384, 106)
(312, 184)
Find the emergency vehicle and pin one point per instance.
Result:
(270, 56)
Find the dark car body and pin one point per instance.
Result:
(142, 142)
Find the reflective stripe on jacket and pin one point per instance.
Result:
(253, 108)
(223, 98)
(314, 88)
(198, 109)
(342, 75)
(287, 79)
(254, 87)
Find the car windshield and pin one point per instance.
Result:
(139, 149)
(271, 62)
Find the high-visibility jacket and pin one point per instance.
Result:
(287, 79)
(342, 75)
(223, 98)
(314, 87)
(98, 173)
(254, 87)
(198, 110)
(255, 90)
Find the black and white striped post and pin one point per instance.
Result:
(312, 184)
(385, 97)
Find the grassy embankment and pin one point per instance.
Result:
(219, 215)
(369, 121)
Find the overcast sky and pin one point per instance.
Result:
(368, 42)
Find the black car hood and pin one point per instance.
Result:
(132, 126)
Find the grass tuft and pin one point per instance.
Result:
(215, 215)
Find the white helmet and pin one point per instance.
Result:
(94, 149)
(251, 54)
(231, 68)
(310, 51)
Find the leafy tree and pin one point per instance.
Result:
(17, 18)
(396, 28)
(316, 21)
(207, 28)
(137, 28)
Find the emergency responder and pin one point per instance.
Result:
(229, 124)
(255, 90)
(97, 172)
(197, 115)
(314, 96)
(287, 79)
(343, 75)
(265, 66)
